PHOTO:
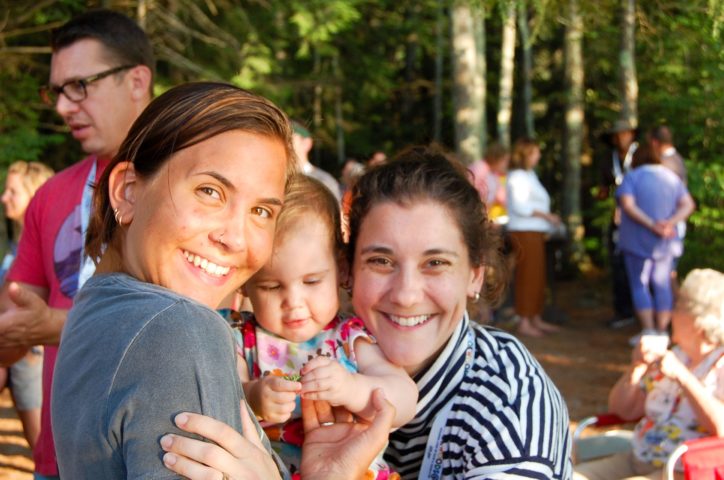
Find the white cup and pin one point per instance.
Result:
(654, 346)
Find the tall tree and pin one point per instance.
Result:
(466, 83)
(527, 67)
(627, 63)
(507, 63)
(481, 68)
(574, 129)
(439, 56)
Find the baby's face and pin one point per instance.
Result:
(295, 294)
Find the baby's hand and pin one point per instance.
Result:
(275, 398)
(326, 379)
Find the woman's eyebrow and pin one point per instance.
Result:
(377, 249)
(222, 179)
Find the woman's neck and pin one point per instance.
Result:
(699, 352)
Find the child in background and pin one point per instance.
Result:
(295, 343)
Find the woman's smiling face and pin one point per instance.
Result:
(411, 279)
(205, 222)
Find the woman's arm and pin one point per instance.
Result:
(709, 410)
(628, 204)
(627, 398)
(377, 372)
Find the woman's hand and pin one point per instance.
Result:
(336, 447)
(672, 367)
(326, 379)
(234, 457)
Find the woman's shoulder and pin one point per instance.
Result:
(498, 352)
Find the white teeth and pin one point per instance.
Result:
(206, 265)
(409, 321)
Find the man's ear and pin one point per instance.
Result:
(140, 78)
(122, 189)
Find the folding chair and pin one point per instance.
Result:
(701, 459)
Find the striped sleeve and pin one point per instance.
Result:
(510, 421)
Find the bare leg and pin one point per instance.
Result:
(525, 327)
(544, 326)
(31, 425)
(663, 319)
(646, 317)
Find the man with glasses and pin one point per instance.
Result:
(101, 79)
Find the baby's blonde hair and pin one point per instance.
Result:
(305, 195)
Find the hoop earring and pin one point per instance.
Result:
(117, 215)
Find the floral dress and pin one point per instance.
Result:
(268, 354)
(670, 419)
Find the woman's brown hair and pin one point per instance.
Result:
(644, 155)
(420, 174)
(523, 148)
(180, 118)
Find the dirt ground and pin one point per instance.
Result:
(584, 360)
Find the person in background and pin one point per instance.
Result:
(621, 138)
(25, 376)
(662, 141)
(488, 174)
(529, 220)
(303, 144)
(377, 158)
(420, 248)
(101, 78)
(653, 201)
(677, 394)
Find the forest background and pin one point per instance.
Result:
(368, 75)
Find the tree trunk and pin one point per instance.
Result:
(627, 60)
(574, 130)
(466, 84)
(507, 58)
(527, 68)
(317, 102)
(439, 54)
(142, 13)
(482, 71)
(339, 118)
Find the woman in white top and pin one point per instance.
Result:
(530, 219)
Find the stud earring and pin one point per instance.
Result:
(476, 297)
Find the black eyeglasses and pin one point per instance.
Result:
(76, 90)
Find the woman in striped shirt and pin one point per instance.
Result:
(420, 246)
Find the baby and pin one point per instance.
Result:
(295, 343)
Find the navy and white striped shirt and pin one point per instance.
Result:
(508, 420)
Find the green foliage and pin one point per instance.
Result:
(704, 243)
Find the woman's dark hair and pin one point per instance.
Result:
(180, 118)
(426, 173)
(645, 155)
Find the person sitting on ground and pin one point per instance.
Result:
(419, 248)
(295, 344)
(24, 377)
(678, 392)
(653, 200)
(529, 221)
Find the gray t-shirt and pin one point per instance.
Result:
(132, 356)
